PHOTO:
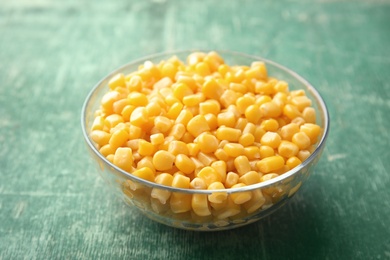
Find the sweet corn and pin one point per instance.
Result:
(119, 138)
(256, 202)
(146, 161)
(193, 100)
(252, 152)
(145, 148)
(177, 131)
(234, 150)
(228, 97)
(291, 111)
(303, 155)
(220, 168)
(212, 121)
(270, 109)
(240, 197)
(244, 102)
(208, 143)
(210, 106)
(206, 159)
(242, 165)
(184, 163)
(246, 139)
(288, 149)
(162, 123)
(144, 173)
(288, 131)
(211, 89)
(309, 115)
(178, 147)
(180, 202)
(227, 209)
(107, 149)
(117, 81)
(123, 158)
(197, 125)
(221, 154)
(135, 83)
(253, 113)
(162, 194)
(175, 110)
(312, 131)
(271, 125)
(198, 184)
(100, 137)
(163, 160)
(293, 162)
(157, 139)
(266, 151)
(301, 140)
(137, 99)
(270, 164)
(231, 179)
(271, 139)
(226, 119)
(200, 205)
(217, 197)
(250, 177)
(193, 149)
(228, 133)
(139, 117)
(209, 175)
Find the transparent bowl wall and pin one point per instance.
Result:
(136, 192)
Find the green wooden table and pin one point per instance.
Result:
(53, 205)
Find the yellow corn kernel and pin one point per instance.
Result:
(226, 209)
(163, 160)
(177, 147)
(177, 131)
(242, 165)
(303, 155)
(168, 70)
(106, 150)
(227, 119)
(146, 161)
(184, 117)
(118, 106)
(117, 81)
(241, 123)
(175, 110)
(211, 89)
(188, 80)
(271, 125)
(193, 100)
(202, 68)
(184, 163)
(271, 139)
(126, 112)
(123, 158)
(211, 121)
(144, 173)
(135, 132)
(249, 128)
(240, 197)
(312, 131)
(209, 175)
(269, 176)
(193, 149)
(288, 131)
(200, 205)
(119, 138)
(246, 139)
(281, 87)
(228, 97)
(100, 137)
(153, 109)
(133, 144)
(220, 168)
(266, 151)
(230, 165)
(223, 69)
(252, 152)
(206, 159)
(228, 133)
(210, 106)
(139, 117)
(98, 123)
(253, 113)
(197, 125)
(157, 139)
(302, 140)
(293, 162)
(244, 102)
(221, 154)
(270, 164)
(288, 149)
(309, 115)
(110, 158)
(270, 109)
(265, 88)
(135, 83)
(137, 99)
(194, 110)
(162, 123)
(301, 102)
(298, 120)
(291, 111)
(236, 87)
(198, 164)
(262, 99)
(108, 100)
(249, 178)
(255, 202)
(187, 138)
(259, 132)
(145, 148)
(198, 184)
(208, 143)
(180, 202)
(118, 127)
(231, 179)
(234, 150)
(217, 197)
(161, 194)
(180, 90)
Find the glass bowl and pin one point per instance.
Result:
(267, 196)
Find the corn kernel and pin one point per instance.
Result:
(163, 160)
(177, 131)
(180, 90)
(226, 209)
(288, 149)
(162, 123)
(220, 168)
(177, 147)
(206, 159)
(106, 150)
(228, 133)
(309, 115)
(118, 106)
(312, 131)
(266, 151)
(242, 165)
(197, 125)
(168, 70)
(288, 131)
(228, 97)
(161, 194)
(231, 179)
(256, 202)
(209, 175)
(119, 138)
(211, 89)
(212, 121)
(193, 149)
(233, 149)
(240, 197)
(246, 139)
(193, 100)
(135, 83)
(253, 113)
(293, 162)
(144, 173)
(157, 139)
(117, 81)
(270, 125)
(198, 184)
(184, 117)
(139, 117)
(249, 178)
(221, 154)
(244, 102)
(200, 205)
(145, 148)
(303, 155)
(184, 163)
(217, 197)
(175, 110)
(301, 140)
(301, 102)
(137, 99)
(210, 106)
(271, 139)
(291, 111)
(227, 119)
(123, 158)
(208, 143)
(252, 152)
(270, 164)
(100, 137)
(180, 202)
(270, 109)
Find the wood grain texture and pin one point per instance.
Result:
(54, 206)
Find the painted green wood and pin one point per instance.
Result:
(54, 206)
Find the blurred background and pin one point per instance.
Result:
(53, 205)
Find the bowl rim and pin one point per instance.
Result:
(260, 185)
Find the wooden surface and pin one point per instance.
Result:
(53, 205)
